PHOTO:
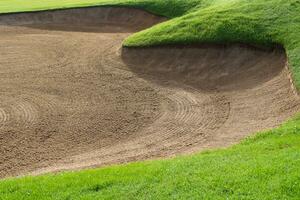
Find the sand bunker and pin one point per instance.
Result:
(72, 98)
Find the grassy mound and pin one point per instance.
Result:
(263, 167)
(261, 22)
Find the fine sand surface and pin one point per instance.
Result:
(71, 97)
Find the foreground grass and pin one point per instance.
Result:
(264, 167)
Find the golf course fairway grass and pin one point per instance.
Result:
(264, 166)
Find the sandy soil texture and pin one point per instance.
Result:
(71, 97)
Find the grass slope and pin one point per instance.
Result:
(263, 167)
(262, 22)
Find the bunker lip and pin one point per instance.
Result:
(81, 16)
(75, 98)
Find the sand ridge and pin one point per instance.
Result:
(71, 97)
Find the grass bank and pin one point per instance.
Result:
(262, 22)
(263, 167)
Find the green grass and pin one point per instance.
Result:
(263, 167)
(262, 22)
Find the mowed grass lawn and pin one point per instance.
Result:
(264, 167)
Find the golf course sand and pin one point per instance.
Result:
(71, 97)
